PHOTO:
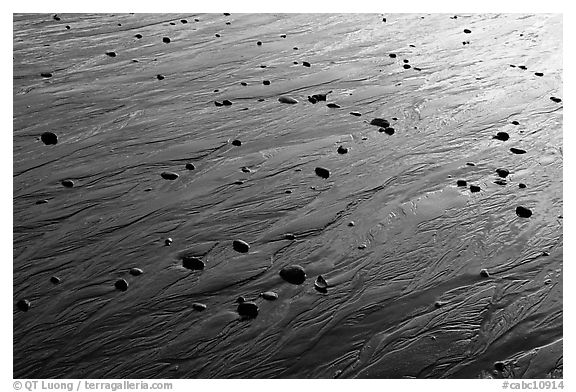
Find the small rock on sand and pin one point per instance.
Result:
(461, 183)
(523, 212)
(474, 188)
(169, 175)
(357, 114)
(538, 74)
(68, 183)
(342, 150)
(236, 143)
(168, 242)
(55, 280)
(322, 172)
(136, 271)
(240, 246)
(160, 77)
(49, 138)
(502, 136)
(288, 100)
(266, 82)
(380, 122)
(111, 54)
(467, 31)
(294, 274)
(517, 151)
(248, 310)
(227, 102)
(197, 306)
(407, 66)
(555, 99)
(190, 166)
(24, 305)
(192, 263)
(502, 172)
(269, 295)
(521, 186)
(333, 105)
(43, 201)
(320, 284)
(46, 74)
(166, 40)
(121, 284)
(484, 273)
(138, 36)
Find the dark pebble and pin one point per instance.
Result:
(55, 280)
(294, 274)
(320, 284)
(288, 191)
(333, 106)
(239, 182)
(196, 20)
(269, 295)
(522, 67)
(266, 83)
(168, 242)
(351, 223)
(226, 102)
(380, 122)
(342, 150)
(387, 131)
(226, 13)
(199, 307)
(295, 48)
(172, 24)
(49, 138)
(169, 175)
(499, 366)
(190, 166)
(521, 186)
(259, 43)
(392, 55)
(412, 46)
(139, 36)
(67, 27)
(289, 100)
(357, 114)
(244, 83)
(24, 305)
(192, 263)
(461, 183)
(523, 212)
(217, 35)
(240, 246)
(383, 19)
(166, 40)
(218, 103)
(56, 17)
(183, 21)
(261, 99)
(320, 97)
(322, 172)
(417, 69)
(515, 122)
(46, 74)
(245, 169)
(136, 271)
(517, 151)
(68, 183)
(538, 74)
(312, 99)
(470, 164)
(500, 181)
(228, 23)
(262, 66)
(406, 61)
(407, 66)
(557, 100)
(282, 35)
(247, 309)
(502, 172)
(289, 237)
(474, 188)
(160, 77)
(305, 63)
(216, 90)
(467, 31)
(42, 201)
(236, 142)
(121, 284)
(484, 273)
(503, 136)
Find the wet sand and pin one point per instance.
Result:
(419, 257)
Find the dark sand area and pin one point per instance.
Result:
(431, 242)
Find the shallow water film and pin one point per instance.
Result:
(287, 196)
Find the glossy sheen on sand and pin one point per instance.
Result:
(418, 239)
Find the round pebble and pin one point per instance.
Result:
(136, 271)
(407, 66)
(521, 186)
(199, 307)
(24, 305)
(190, 166)
(121, 284)
(248, 309)
(55, 280)
(68, 183)
(467, 31)
(259, 43)
(502, 136)
(406, 61)
(236, 142)
(294, 274)
(502, 172)
(169, 175)
(288, 100)
(523, 212)
(192, 263)
(183, 21)
(322, 172)
(166, 40)
(392, 55)
(67, 27)
(49, 138)
(240, 246)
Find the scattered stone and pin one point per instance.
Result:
(192, 263)
(380, 122)
(46, 74)
(383, 19)
(259, 43)
(197, 306)
(342, 150)
(68, 183)
(288, 100)
(190, 166)
(166, 40)
(439, 304)
(467, 31)
(196, 20)
(357, 114)
(406, 61)
(500, 182)
(351, 223)
(217, 35)
(362, 246)
(111, 54)
(387, 131)
(263, 66)
(517, 151)
(248, 310)
(470, 164)
(322, 172)
(169, 175)
(67, 27)
(289, 237)
(24, 305)
(499, 366)
(306, 63)
(269, 295)
(502, 172)
(56, 17)
(44, 201)
(417, 69)
(522, 67)
(228, 23)
(521, 186)
(240, 246)
(545, 253)
(121, 284)
(512, 65)
(538, 74)
(282, 35)
(239, 182)
(136, 271)
(523, 212)
(294, 274)
(502, 136)
(236, 143)
(557, 100)
(295, 48)
(333, 106)
(321, 285)
(266, 83)
(160, 77)
(320, 97)
(288, 191)
(244, 83)
(461, 183)
(172, 24)
(55, 280)
(226, 14)
(226, 102)
(138, 36)
(49, 138)
(407, 66)
(515, 122)
(392, 55)
(218, 103)
(168, 242)
(484, 273)
(474, 188)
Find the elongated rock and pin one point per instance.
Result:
(198, 307)
(169, 175)
(380, 122)
(517, 151)
(269, 295)
(294, 274)
(55, 280)
(322, 172)
(136, 271)
(333, 105)
(192, 263)
(288, 100)
(68, 183)
(240, 246)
